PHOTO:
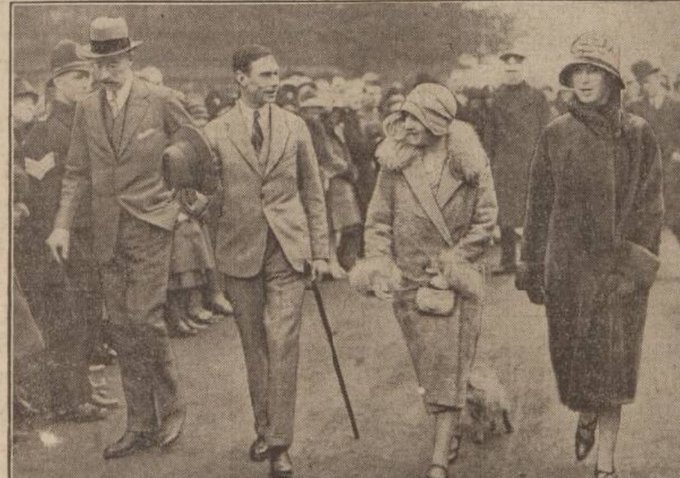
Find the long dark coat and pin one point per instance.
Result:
(514, 123)
(65, 300)
(665, 123)
(584, 185)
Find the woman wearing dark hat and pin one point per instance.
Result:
(65, 298)
(591, 240)
(431, 218)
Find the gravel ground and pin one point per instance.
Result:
(395, 432)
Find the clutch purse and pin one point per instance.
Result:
(435, 301)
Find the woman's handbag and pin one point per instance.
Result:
(435, 301)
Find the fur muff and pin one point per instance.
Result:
(375, 272)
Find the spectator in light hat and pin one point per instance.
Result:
(132, 241)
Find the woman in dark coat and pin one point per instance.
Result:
(591, 240)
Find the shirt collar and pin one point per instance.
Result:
(248, 112)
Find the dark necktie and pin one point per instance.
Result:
(258, 137)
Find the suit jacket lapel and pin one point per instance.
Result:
(137, 104)
(448, 185)
(238, 134)
(415, 176)
(278, 134)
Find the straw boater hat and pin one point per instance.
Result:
(66, 56)
(109, 37)
(593, 48)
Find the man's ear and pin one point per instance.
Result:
(240, 77)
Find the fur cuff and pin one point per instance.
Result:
(370, 272)
(462, 276)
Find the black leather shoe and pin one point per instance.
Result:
(171, 428)
(280, 465)
(129, 443)
(259, 451)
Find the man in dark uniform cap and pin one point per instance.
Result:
(119, 135)
(514, 123)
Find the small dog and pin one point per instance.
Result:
(487, 403)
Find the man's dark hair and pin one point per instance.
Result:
(246, 55)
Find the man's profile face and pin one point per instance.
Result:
(112, 71)
(261, 83)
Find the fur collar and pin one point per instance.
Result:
(465, 157)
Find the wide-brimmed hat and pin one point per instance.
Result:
(593, 48)
(642, 69)
(109, 37)
(66, 56)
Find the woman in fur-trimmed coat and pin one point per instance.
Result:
(430, 219)
(591, 241)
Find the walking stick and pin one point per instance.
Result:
(336, 363)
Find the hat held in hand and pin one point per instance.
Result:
(109, 37)
(188, 161)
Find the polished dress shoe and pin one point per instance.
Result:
(129, 443)
(171, 428)
(259, 451)
(85, 412)
(280, 465)
(101, 400)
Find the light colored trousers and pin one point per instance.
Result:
(268, 311)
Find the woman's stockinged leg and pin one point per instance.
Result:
(609, 421)
(444, 427)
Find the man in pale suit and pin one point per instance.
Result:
(117, 142)
(272, 226)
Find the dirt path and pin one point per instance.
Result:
(395, 431)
